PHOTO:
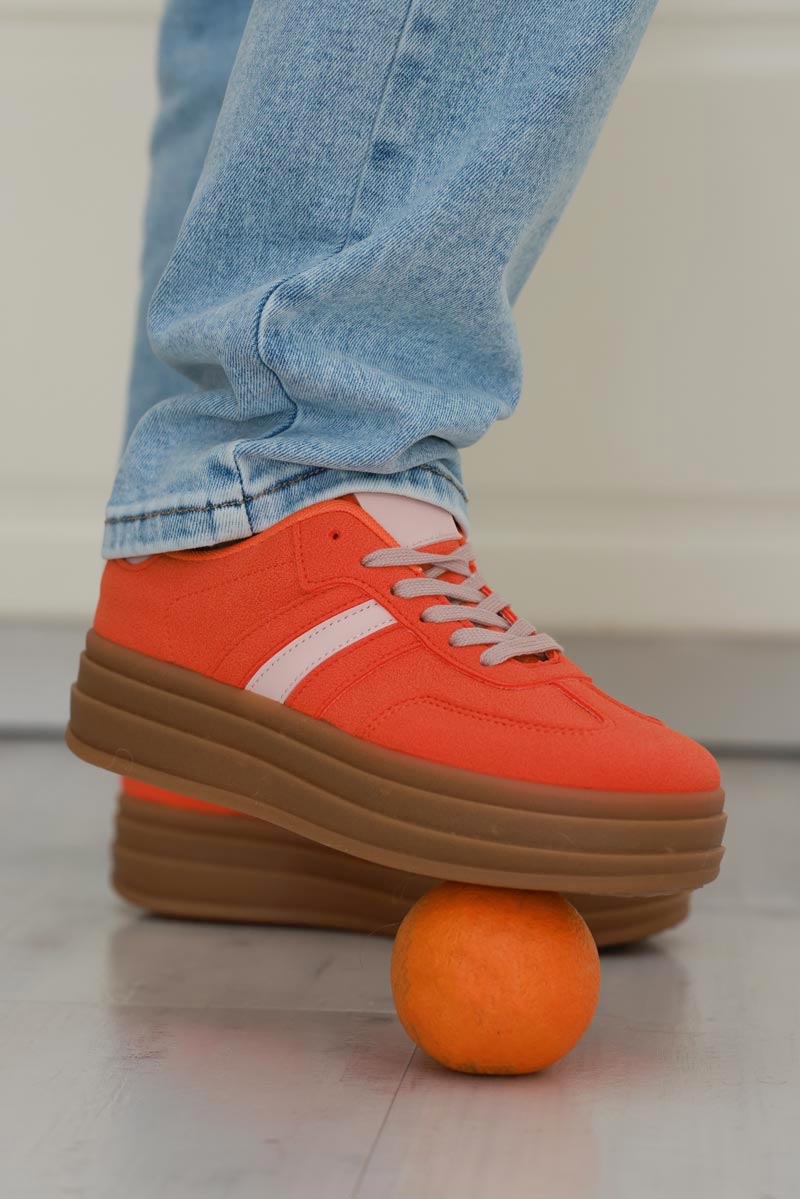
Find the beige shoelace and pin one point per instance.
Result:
(467, 602)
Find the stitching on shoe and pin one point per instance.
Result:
(430, 702)
(285, 609)
(388, 656)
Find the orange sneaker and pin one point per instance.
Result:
(334, 678)
(179, 857)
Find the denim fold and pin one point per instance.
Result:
(345, 201)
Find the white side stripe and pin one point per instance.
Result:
(281, 673)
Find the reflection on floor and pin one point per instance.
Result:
(145, 1058)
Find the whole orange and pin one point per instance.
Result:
(493, 981)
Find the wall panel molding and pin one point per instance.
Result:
(634, 563)
(692, 682)
(669, 11)
(642, 562)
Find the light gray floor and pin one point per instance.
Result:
(143, 1059)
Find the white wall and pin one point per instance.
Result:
(651, 478)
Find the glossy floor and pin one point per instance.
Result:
(144, 1058)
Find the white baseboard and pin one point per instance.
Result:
(50, 543)
(726, 692)
(636, 564)
(644, 563)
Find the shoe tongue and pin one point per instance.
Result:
(412, 523)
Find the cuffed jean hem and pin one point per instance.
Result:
(190, 524)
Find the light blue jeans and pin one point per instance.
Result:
(346, 199)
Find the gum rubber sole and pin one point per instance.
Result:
(194, 865)
(187, 733)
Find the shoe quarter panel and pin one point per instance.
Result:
(451, 704)
(357, 667)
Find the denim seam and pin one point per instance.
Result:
(273, 291)
(434, 470)
(118, 520)
(259, 317)
(246, 499)
(375, 125)
(241, 485)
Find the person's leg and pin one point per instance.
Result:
(198, 44)
(338, 298)
(176, 855)
(382, 177)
